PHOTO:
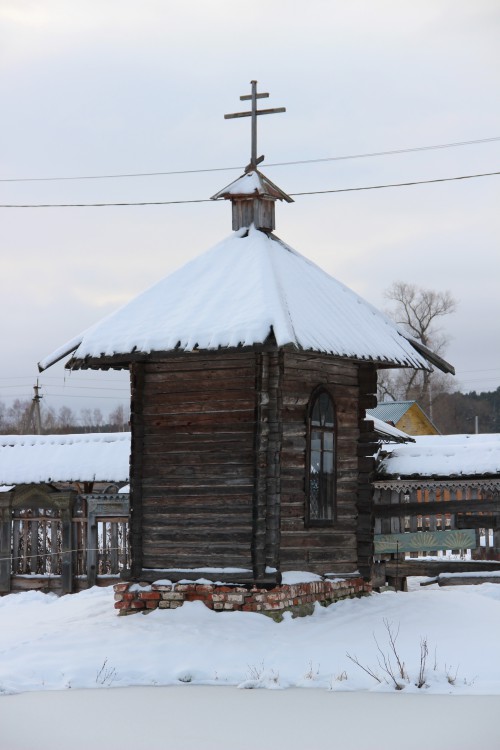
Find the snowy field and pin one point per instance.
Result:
(189, 662)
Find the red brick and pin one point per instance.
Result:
(137, 605)
(152, 595)
(119, 587)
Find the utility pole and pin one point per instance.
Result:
(33, 423)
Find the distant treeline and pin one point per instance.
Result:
(455, 413)
(18, 419)
(452, 413)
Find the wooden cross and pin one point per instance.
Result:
(254, 112)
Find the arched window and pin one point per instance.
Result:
(321, 464)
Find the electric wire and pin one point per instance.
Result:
(209, 200)
(345, 157)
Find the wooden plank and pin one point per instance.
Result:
(5, 549)
(136, 466)
(258, 537)
(438, 507)
(424, 567)
(67, 554)
(16, 538)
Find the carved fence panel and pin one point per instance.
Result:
(61, 538)
(430, 516)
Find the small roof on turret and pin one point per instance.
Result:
(246, 288)
(251, 183)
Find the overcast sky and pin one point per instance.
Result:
(115, 86)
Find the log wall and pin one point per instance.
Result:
(320, 549)
(218, 475)
(193, 427)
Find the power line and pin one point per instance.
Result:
(66, 387)
(99, 205)
(89, 397)
(490, 369)
(208, 200)
(371, 154)
(398, 184)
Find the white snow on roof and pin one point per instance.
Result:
(252, 183)
(445, 456)
(32, 459)
(235, 294)
(387, 430)
(246, 185)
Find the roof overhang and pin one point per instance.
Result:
(431, 356)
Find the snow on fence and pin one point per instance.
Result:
(61, 541)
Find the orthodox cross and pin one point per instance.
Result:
(254, 112)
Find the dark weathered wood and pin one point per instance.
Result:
(367, 447)
(466, 520)
(67, 551)
(273, 463)
(437, 508)
(221, 479)
(198, 433)
(469, 580)
(136, 466)
(424, 567)
(259, 512)
(317, 548)
(5, 541)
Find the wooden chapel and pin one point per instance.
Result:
(251, 370)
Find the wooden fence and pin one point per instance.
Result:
(61, 541)
(418, 520)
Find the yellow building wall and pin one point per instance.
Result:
(414, 422)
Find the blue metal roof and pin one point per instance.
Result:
(391, 411)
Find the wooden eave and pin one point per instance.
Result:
(431, 356)
(270, 191)
(124, 360)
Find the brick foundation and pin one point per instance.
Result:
(299, 598)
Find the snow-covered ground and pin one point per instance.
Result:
(73, 642)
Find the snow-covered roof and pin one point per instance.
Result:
(388, 432)
(237, 293)
(90, 457)
(444, 456)
(252, 183)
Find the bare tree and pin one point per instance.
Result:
(418, 312)
(3, 416)
(65, 419)
(87, 419)
(118, 419)
(98, 419)
(16, 415)
(49, 420)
